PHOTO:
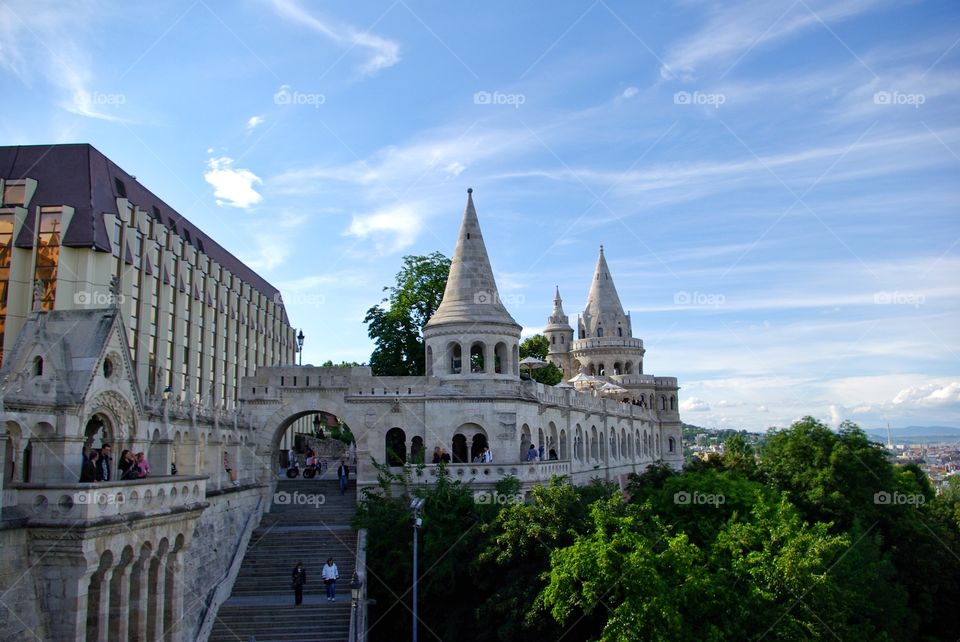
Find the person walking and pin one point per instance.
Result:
(343, 474)
(299, 580)
(330, 577)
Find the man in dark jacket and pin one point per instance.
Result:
(299, 579)
(343, 474)
(103, 467)
(88, 471)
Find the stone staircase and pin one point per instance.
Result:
(309, 521)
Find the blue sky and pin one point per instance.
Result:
(775, 183)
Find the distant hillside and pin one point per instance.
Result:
(916, 434)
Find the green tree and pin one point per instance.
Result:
(396, 324)
(538, 347)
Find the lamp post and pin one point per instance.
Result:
(355, 586)
(416, 507)
(300, 338)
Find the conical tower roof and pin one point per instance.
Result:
(603, 300)
(471, 294)
(558, 319)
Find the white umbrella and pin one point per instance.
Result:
(612, 388)
(581, 378)
(532, 362)
(563, 384)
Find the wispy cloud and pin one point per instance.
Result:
(382, 52)
(392, 229)
(733, 30)
(253, 122)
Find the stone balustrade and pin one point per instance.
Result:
(534, 471)
(78, 503)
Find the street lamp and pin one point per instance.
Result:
(300, 338)
(355, 591)
(416, 507)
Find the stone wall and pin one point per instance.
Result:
(216, 541)
(20, 618)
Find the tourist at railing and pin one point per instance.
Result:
(553, 455)
(444, 456)
(104, 465)
(532, 454)
(127, 466)
(436, 455)
(142, 465)
(540, 452)
(487, 456)
(88, 471)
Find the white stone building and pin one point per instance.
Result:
(473, 396)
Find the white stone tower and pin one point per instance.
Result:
(560, 335)
(605, 345)
(471, 335)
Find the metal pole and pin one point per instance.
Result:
(414, 580)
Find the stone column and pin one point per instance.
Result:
(174, 595)
(489, 356)
(138, 598)
(103, 611)
(119, 623)
(157, 587)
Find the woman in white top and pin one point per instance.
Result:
(330, 576)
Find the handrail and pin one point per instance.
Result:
(358, 607)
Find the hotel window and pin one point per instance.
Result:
(6, 249)
(14, 193)
(48, 255)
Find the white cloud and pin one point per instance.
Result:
(392, 228)
(253, 122)
(930, 395)
(694, 404)
(383, 52)
(630, 92)
(233, 187)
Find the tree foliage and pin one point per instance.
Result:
(396, 323)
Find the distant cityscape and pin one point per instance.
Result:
(935, 449)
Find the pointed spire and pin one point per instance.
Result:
(603, 303)
(471, 294)
(557, 317)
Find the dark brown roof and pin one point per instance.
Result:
(80, 176)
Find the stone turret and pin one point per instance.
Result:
(471, 334)
(605, 344)
(560, 335)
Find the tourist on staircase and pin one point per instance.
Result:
(343, 474)
(330, 577)
(299, 579)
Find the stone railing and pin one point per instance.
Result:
(358, 603)
(532, 471)
(77, 503)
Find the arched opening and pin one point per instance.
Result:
(663, 402)
(601, 370)
(594, 446)
(658, 445)
(524, 441)
(477, 445)
(617, 368)
(456, 358)
(603, 446)
(613, 444)
(628, 367)
(563, 445)
(500, 358)
(429, 361)
(27, 461)
(38, 366)
(599, 331)
(417, 451)
(619, 332)
(395, 443)
(477, 363)
(459, 449)
(671, 444)
(673, 402)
